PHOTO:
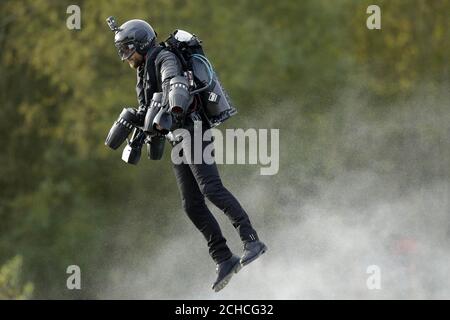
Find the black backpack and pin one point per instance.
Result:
(203, 81)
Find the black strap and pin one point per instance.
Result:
(151, 70)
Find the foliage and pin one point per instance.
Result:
(10, 282)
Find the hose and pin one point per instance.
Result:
(209, 68)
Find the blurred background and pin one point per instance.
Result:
(364, 119)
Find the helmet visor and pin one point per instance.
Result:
(125, 50)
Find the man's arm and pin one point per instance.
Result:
(169, 67)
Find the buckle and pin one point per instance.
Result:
(195, 116)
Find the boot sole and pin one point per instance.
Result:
(259, 254)
(222, 284)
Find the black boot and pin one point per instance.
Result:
(225, 271)
(252, 250)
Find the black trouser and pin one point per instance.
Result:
(197, 181)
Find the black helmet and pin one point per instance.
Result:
(133, 35)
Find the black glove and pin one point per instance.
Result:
(140, 113)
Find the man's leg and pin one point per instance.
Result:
(194, 205)
(210, 185)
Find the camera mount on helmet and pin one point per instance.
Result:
(112, 23)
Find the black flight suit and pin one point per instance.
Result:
(195, 181)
